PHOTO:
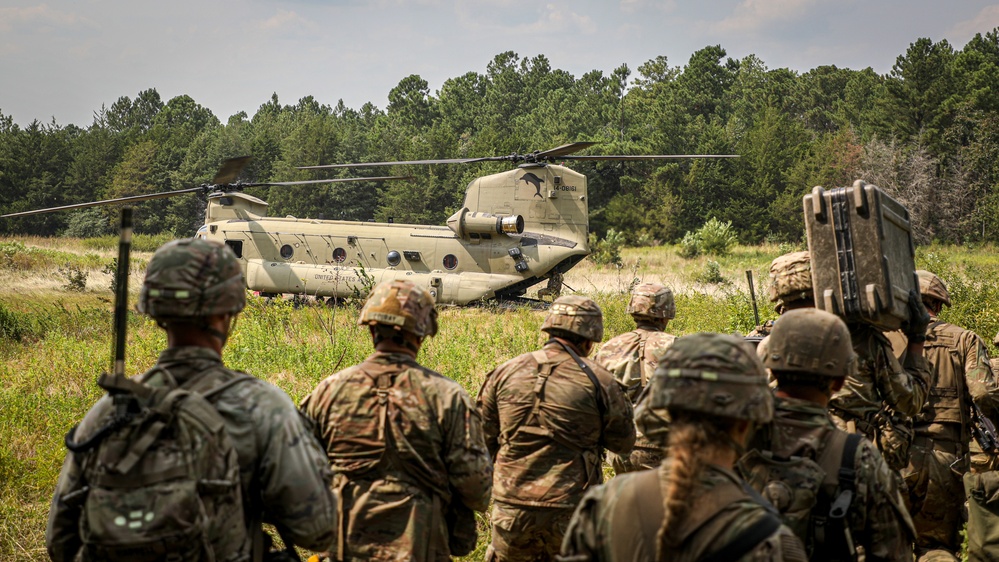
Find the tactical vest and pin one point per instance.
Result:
(812, 495)
(948, 400)
(388, 433)
(536, 424)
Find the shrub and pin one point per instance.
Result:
(711, 274)
(717, 238)
(608, 250)
(76, 278)
(690, 246)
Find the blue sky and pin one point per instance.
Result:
(62, 59)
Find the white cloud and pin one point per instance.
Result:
(284, 20)
(753, 15)
(986, 20)
(32, 18)
(633, 6)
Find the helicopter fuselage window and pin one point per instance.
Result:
(339, 255)
(237, 247)
(287, 251)
(394, 257)
(450, 261)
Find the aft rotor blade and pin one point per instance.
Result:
(648, 156)
(334, 180)
(400, 163)
(230, 169)
(131, 199)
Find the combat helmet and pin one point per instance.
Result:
(402, 305)
(932, 286)
(790, 278)
(652, 300)
(713, 374)
(576, 315)
(192, 278)
(811, 341)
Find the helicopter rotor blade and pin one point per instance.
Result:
(564, 150)
(626, 157)
(401, 163)
(230, 170)
(131, 199)
(333, 180)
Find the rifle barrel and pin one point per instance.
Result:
(121, 290)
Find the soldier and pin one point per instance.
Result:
(939, 458)
(713, 390)
(981, 484)
(405, 442)
(790, 286)
(806, 467)
(632, 357)
(548, 416)
(879, 399)
(194, 289)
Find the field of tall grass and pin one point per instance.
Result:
(55, 338)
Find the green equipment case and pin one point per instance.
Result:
(862, 254)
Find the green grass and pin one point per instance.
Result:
(63, 342)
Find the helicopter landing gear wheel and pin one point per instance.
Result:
(554, 288)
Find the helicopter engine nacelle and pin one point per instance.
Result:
(465, 222)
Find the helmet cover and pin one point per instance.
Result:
(577, 315)
(652, 300)
(811, 341)
(193, 277)
(402, 305)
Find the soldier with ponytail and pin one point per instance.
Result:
(712, 389)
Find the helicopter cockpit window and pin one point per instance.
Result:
(394, 257)
(287, 251)
(339, 255)
(450, 261)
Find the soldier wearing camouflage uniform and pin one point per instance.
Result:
(632, 357)
(981, 484)
(939, 458)
(790, 287)
(880, 398)
(405, 443)
(694, 507)
(548, 416)
(194, 289)
(801, 458)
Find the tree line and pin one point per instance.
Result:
(927, 132)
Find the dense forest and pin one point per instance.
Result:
(927, 133)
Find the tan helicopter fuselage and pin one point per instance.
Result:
(516, 229)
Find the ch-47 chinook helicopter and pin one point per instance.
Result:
(515, 229)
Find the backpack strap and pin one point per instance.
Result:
(756, 533)
(643, 339)
(747, 540)
(601, 407)
(829, 524)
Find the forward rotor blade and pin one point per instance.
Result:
(230, 169)
(648, 156)
(400, 162)
(131, 199)
(564, 149)
(334, 180)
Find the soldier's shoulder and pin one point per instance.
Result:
(660, 340)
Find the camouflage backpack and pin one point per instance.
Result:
(813, 496)
(163, 476)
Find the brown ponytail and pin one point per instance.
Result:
(693, 438)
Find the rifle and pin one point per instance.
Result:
(752, 296)
(983, 430)
(122, 401)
